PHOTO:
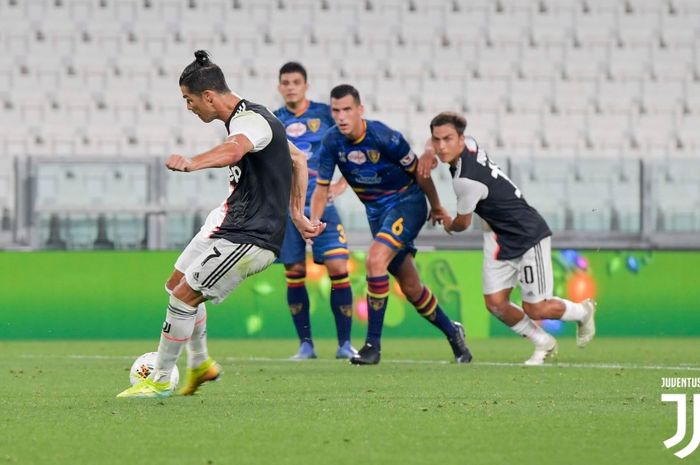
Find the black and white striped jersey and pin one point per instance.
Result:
(482, 188)
(257, 207)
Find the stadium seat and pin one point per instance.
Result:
(628, 63)
(529, 96)
(552, 29)
(486, 95)
(618, 97)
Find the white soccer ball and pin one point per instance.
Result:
(145, 366)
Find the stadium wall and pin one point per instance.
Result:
(119, 295)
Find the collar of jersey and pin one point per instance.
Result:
(303, 109)
(363, 134)
(239, 106)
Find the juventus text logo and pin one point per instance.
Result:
(680, 399)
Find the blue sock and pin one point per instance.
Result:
(341, 304)
(298, 301)
(377, 297)
(427, 306)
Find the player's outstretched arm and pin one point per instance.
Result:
(300, 180)
(221, 156)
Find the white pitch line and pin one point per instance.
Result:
(598, 366)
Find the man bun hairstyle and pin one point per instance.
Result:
(293, 67)
(202, 74)
(345, 89)
(448, 117)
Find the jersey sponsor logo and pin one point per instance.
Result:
(296, 129)
(366, 177)
(314, 124)
(373, 155)
(234, 175)
(305, 147)
(408, 159)
(358, 157)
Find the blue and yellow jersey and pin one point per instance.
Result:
(379, 165)
(306, 129)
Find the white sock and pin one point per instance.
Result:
(197, 346)
(573, 311)
(529, 329)
(177, 330)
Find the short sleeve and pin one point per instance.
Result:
(396, 148)
(326, 161)
(469, 192)
(254, 127)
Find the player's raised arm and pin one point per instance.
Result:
(428, 160)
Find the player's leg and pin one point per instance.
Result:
(426, 303)
(498, 279)
(500, 306)
(341, 305)
(197, 350)
(379, 256)
(293, 256)
(213, 276)
(330, 248)
(298, 302)
(537, 284)
(176, 331)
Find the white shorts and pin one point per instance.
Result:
(532, 270)
(216, 267)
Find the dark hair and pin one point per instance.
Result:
(447, 117)
(345, 89)
(293, 67)
(202, 74)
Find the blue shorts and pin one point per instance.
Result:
(330, 245)
(397, 226)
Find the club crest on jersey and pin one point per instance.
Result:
(373, 155)
(296, 129)
(314, 124)
(358, 157)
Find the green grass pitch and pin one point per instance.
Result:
(601, 405)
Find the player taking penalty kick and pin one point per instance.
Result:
(517, 248)
(242, 236)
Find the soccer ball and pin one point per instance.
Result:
(145, 366)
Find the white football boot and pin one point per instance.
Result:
(585, 329)
(543, 352)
